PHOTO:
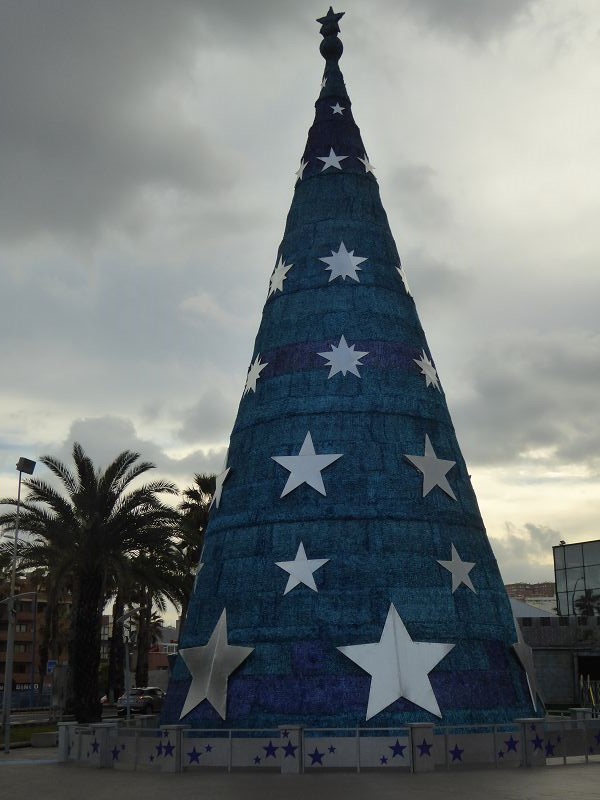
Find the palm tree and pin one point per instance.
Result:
(588, 603)
(87, 534)
(194, 511)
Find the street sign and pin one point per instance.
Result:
(50, 667)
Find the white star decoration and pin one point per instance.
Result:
(279, 275)
(366, 163)
(253, 375)
(434, 469)
(306, 467)
(343, 359)
(323, 82)
(398, 666)
(428, 370)
(338, 109)
(343, 264)
(210, 667)
(331, 160)
(300, 172)
(404, 279)
(525, 655)
(216, 498)
(301, 570)
(460, 571)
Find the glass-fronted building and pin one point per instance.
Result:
(577, 575)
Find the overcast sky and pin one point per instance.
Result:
(147, 160)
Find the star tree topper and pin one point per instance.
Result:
(398, 666)
(343, 264)
(343, 359)
(306, 467)
(210, 666)
(434, 470)
(301, 570)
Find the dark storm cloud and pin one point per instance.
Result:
(530, 392)
(87, 122)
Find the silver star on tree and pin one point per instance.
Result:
(525, 655)
(278, 276)
(343, 264)
(210, 666)
(434, 470)
(402, 274)
(366, 163)
(338, 109)
(398, 666)
(301, 570)
(220, 480)
(306, 467)
(332, 160)
(428, 370)
(253, 375)
(460, 571)
(300, 171)
(342, 358)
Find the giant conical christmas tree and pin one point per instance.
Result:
(347, 578)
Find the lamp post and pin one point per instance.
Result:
(24, 465)
(126, 618)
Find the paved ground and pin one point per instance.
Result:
(34, 772)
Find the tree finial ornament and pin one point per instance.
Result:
(331, 47)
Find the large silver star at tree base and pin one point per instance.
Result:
(253, 375)
(342, 358)
(220, 480)
(301, 570)
(398, 666)
(460, 571)
(306, 467)
(278, 276)
(332, 160)
(404, 279)
(525, 655)
(343, 264)
(210, 667)
(428, 370)
(434, 470)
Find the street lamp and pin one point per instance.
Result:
(121, 621)
(24, 465)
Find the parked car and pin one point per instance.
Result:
(142, 700)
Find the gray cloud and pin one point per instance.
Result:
(540, 392)
(530, 544)
(209, 420)
(476, 19)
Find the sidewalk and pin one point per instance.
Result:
(35, 772)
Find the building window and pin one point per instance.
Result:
(21, 627)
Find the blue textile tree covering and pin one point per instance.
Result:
(390, 549)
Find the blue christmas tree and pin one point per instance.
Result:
(346, 578)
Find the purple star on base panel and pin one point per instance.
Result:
(194, 756)
(169, 748)
(456, 753)
(316, 757)
(290, 750)
(270, 749)
(537, 743)
(397, 749)
(383, 760)
(425, 748)
(511, 744)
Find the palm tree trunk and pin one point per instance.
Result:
(116, 654)
(84, 647)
